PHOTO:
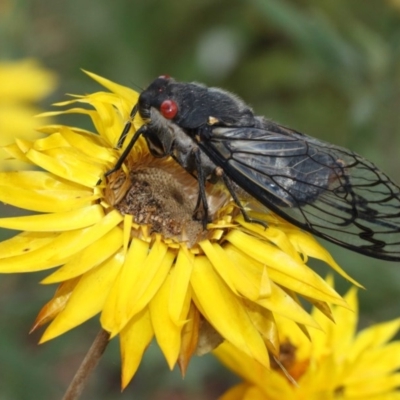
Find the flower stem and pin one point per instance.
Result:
(89, 363)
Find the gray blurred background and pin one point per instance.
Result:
(330, 69)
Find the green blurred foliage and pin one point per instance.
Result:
(330, 69)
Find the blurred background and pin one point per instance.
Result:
(329, 69)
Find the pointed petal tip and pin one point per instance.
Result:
(183, 368)
(34, 327)
(49, 280)
(125, 381)
(44, 339)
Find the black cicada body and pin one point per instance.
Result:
(324, 189)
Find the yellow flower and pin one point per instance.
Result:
(128, 248)
(337, 363)
(22, 83)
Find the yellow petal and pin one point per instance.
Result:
(50, 142)
(281, 303)
(51, 309)
(61, 221)
(25, 80)
(111, 113)
(12, 151)
(24, 145)
(285, 270)
(317, 288)
(24, 242)
(272, 385)
(220, 262)
(54, 128)
(87, 299)
(374, 336)
(308, 244)
(291, 331)
(115, 311)
(236, 392)
(89, 257)
(43, 192)
(38, 259)
(254, 393)
(252, 272)
(154, 271)
(128, 220)
(85, 144)
(94, 115)
(190, 338)
(322, 306)
(224, 311)
(180, 279)
(264, 321)
(134, 339)
(375, 362)
(106, 118)
(168, 334)
(321, 378)
(342, 336)
(123, 91)
(250, 282)
(61, 248)
(16, 121)
(375, 385)
(56, 201)
(38, 180)
(70, 164)
(274, 235)
(141, 283)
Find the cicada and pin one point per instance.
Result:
(324, 189)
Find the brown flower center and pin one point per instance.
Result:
(161, 194)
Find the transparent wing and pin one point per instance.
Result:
(324, 189)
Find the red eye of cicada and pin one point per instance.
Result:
(169, 109)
